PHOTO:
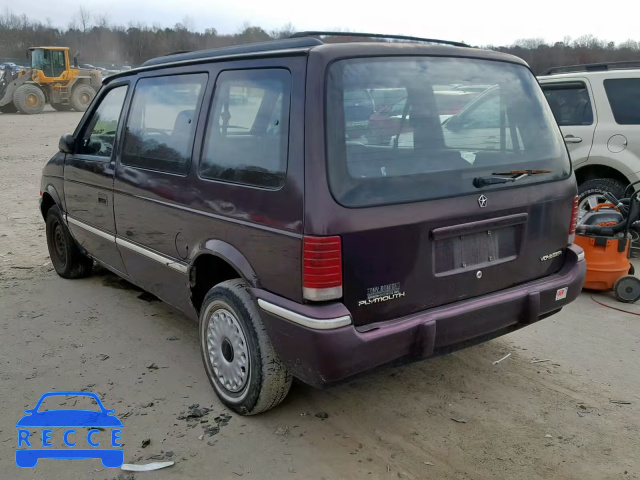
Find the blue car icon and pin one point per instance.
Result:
(112, 457)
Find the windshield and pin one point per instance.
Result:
(404, 130)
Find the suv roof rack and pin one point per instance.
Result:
(376, 35)
(593, 67)
(273, 45)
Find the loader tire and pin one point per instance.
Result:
(81, 97)
(8, 108)
(29, 99)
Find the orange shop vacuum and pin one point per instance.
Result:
(605, 235)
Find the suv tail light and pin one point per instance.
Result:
(574, 221)
(321, 268)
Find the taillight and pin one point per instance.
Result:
(321, 268)
(574, 221)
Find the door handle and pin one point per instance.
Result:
(102, 199)
(572, 139)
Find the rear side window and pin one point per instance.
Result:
(570, 103)
(451, 121)
(248, 130)
(624, 97)
(162, 122)
(99, 136)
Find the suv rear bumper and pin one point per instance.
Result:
(339, 350)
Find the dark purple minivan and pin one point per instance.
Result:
(251, 188)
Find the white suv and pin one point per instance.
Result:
(598, 110)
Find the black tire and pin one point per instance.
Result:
(627, 289)
(261, 381)
(8, 108)
(67, 259)
(596, 187)
(81, 97)
(61, 107)
(29, 99)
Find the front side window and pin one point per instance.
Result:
(99, 137)
(570, 103)
(248, 130)
(624, 97)
(162, 122)
(38, 60)
(426, 145)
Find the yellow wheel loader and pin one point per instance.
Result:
(51, 79)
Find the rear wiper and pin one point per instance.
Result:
(505, 177)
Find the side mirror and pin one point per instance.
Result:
(67, 143)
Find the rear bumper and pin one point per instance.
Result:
(319, 353)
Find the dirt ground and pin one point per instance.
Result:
(454, 417)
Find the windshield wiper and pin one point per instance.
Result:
(505, 177)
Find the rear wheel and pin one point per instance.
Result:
(627, 289)
(29, 99)
(61, 107)
(66, 257)
(591, 193)
(8, 108)
(242, 366)
(81, 97)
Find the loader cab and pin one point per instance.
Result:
(52, 62)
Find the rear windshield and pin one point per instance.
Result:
(411, 129)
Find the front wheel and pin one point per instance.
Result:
(240, 361)
(29, 99)
(67, 259)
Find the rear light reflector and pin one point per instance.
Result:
(321, 268)
(574, 220)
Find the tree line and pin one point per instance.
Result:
(100, 42)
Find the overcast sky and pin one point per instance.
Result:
(496, 22)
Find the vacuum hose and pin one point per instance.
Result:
(604, 231)
(630, 208)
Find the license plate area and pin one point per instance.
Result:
(476, 245)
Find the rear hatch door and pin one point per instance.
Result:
(447, 210)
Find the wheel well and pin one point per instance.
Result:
(46, 89)
(47, 203)
(590, 172)
(208, 271)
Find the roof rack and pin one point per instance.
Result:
(376, 35)
(273, 45)
(593, 67)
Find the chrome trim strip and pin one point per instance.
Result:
(91, 229)
(166, 261)
(314, 323)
